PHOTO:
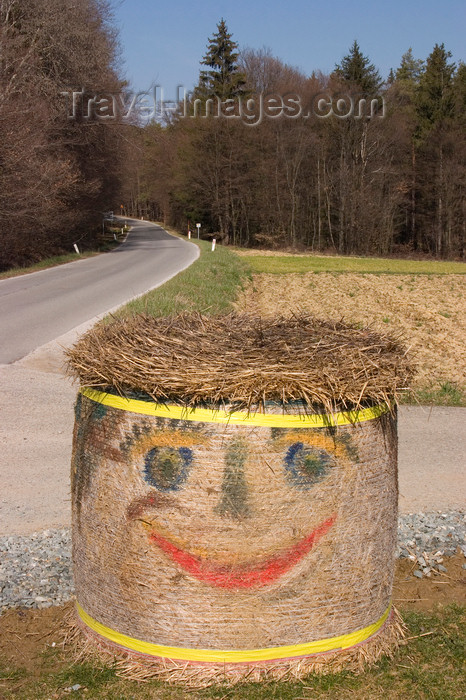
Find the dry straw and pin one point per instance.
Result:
(134, 667)
(205, 535)
(243, 360)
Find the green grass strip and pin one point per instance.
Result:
(44, 264)
(430, 665)
(209, 285)
(56, 260)
(445, 394)
(285, 264)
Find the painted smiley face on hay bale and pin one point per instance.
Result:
(227, 536)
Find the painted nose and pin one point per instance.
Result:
(234, 502)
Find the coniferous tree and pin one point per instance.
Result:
(214, 141)
(459, 91)
(458, 171)
(435, 110)
(403, 97)
(356, 183)
(224, 79)
(357, 78)
(410, 69)
(435, 95)
(355, 68)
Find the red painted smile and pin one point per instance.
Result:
(245, 575)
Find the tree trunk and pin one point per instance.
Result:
(440, 204)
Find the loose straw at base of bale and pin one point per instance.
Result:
(132, 666)
(243, 360)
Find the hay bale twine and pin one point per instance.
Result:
(234, 494)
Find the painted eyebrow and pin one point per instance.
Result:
(147, 437)
(335, 447)
(176, 438)
(318, 441)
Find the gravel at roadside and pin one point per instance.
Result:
(35, 570)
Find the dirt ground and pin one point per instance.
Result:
(411, 593)
(26, 634)
(428, 310)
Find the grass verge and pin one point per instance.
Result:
(107, 244)
(46, 263)
(209, 285)
(284, 264)
(430, 665)
(445, 394)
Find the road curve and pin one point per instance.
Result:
(41, 306)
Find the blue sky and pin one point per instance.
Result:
(164, 42)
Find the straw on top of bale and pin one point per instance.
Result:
(243, 360)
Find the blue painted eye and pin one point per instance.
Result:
(306, 465)
(167, 468)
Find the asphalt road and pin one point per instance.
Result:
(41, 306)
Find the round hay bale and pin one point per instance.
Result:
(212, 536)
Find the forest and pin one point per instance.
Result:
(56, 175)
(260, 153)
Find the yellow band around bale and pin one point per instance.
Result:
(206, 415)
(344, 641)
